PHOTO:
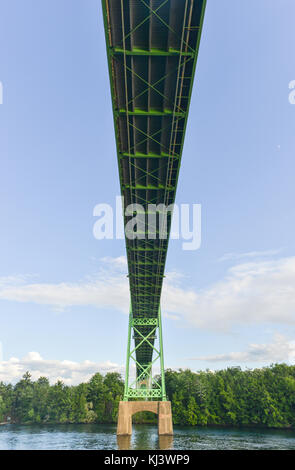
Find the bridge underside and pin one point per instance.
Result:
(152, 50)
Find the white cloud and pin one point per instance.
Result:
(258, 292)
(117, 263)
(71, 373)
(249, 254)
(108, 288)
(280, 350)
(250, 293)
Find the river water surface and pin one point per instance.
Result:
(95, 436)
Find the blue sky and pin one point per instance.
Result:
(64, 294)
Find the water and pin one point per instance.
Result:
(96, 436)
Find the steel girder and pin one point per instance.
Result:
(152, 48)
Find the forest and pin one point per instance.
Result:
(231, 397)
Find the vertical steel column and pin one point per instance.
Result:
(163, 387)
(154, 389)
(128, 357)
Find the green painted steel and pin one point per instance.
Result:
(152, 49)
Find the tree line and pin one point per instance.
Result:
(230, 397)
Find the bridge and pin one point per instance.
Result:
(152, 50)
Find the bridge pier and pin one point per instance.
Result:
(129, 408)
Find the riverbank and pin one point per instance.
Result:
(153, 424)
(235, 398)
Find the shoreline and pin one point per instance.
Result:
(210, 426)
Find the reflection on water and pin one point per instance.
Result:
(164, 442)
(123, 442)
(98, 436)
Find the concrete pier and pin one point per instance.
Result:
(129, 408)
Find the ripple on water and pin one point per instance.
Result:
(96, 436)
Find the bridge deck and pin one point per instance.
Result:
(152, 51)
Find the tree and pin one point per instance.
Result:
(192, 412)
(264, 397)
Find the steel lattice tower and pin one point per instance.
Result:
(152, 49)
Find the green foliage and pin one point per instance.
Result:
(40, 402)
(231, 397)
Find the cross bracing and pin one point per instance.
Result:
(152, 50)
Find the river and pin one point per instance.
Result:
(96, 436)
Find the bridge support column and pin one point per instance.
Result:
(161, 408)
(165, 426)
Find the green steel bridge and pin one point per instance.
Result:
(152, 49)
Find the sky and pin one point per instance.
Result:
(64, 295)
